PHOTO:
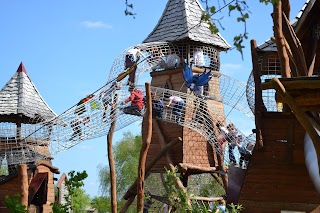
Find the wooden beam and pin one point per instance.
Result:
(144, 150)
(132, 189)
(295, 46)
(305, 97)
(113, 179)
(296, 84)
(127, 204)
(313, 55)
(187, 166)
(286, 7)
(207, 199)
(161, 199)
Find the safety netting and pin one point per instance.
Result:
(92, 116)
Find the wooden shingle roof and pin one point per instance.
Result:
(270, 46)
(19, 97)
(181, 19)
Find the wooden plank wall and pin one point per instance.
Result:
(277, 178)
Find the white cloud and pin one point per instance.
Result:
(96, 24)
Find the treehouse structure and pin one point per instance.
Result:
(286, 107)
(22, 111)
(180, 24)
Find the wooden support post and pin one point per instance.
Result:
(112, 168)
(224, 177)
(132, 190)
(278, 34)
(23, 182)
(258, 93)
(144, 150)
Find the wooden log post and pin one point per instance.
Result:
(112, 168)
(224, 177)
(280, 40)
(23, 181)
(258, 93)
(144, 150)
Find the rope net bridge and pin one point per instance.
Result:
(93, 115)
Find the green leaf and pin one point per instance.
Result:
(231, 7)
(212, 9)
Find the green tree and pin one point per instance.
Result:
(14, 205)
(81, 200)
(73, 184)
(101, 204)
(126, 156)
(3, 171)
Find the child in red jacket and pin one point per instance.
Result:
(136, 99)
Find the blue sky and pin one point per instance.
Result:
(68, 48)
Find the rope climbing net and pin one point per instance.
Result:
(93, 115)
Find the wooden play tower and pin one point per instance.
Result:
(190, 36)
(22, 110)
(286, 107)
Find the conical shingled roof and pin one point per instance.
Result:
(181, 19)
(20, 98)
